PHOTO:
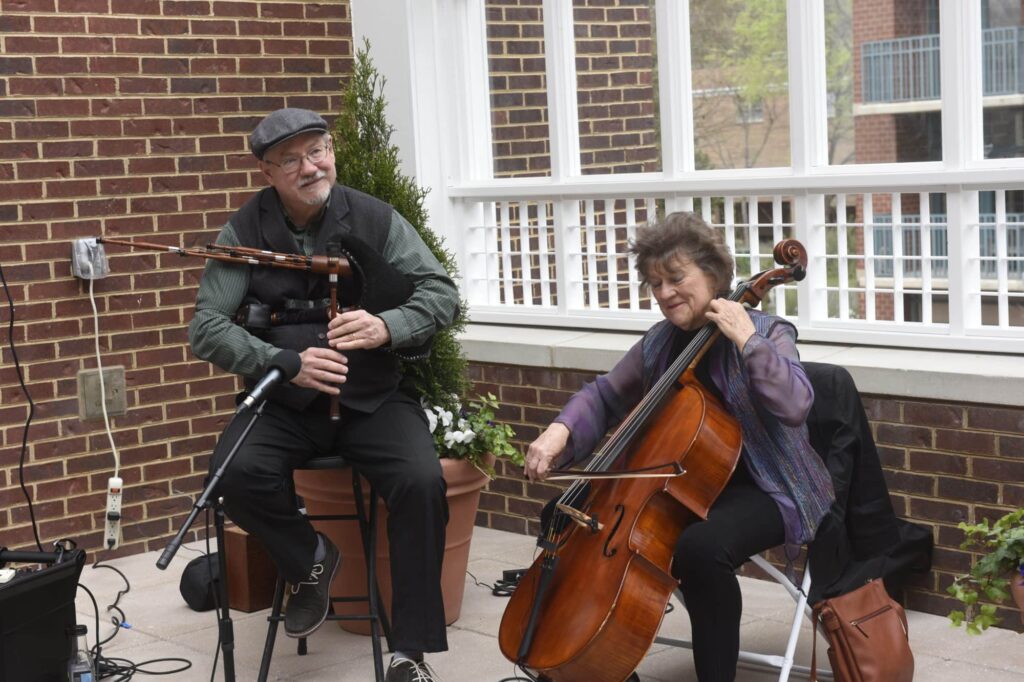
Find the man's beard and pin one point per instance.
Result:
(318, 199)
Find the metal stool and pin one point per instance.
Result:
(368, 531)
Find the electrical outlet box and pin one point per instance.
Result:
(89, 392)
(88, 259)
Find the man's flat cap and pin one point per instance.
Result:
(282, 125)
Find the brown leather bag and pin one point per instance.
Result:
(867, 635)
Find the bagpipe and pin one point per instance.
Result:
(376, 285)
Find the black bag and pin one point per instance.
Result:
(198, 582)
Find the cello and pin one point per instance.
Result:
(590, 605)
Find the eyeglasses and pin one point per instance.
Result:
(290, 165)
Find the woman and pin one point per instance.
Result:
(780, 491)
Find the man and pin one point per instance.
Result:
(352, 359)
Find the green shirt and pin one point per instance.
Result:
(216, 338)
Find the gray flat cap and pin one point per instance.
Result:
(282, 125)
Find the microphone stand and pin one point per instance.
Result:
(226, 631)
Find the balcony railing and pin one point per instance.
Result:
(911, 232)
(907, 69)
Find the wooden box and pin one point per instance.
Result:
(251, 573)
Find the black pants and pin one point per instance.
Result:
(742, 522)
(393, 449)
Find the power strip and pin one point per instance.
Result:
(112, 527)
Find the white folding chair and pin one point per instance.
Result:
(783, 664)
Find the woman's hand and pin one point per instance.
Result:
(543, 451)
(732, 319)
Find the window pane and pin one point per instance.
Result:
(1002, 46)
(615, 78)
(740, 83)
(896, 89)
(519, 102)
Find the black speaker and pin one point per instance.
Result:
(37, 619)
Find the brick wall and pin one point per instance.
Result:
(129, 119)
(944, 463)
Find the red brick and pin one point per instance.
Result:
(48, 211)
(215, 27)
(11, 191)
(144, 86)
(965, 441)
(84, 6)
(43, 87)
(236, 9)
(1011, 446)
(937, 510)
(113, 26)
(164, 27)
(897, 434)
(32, 45)
(997, 469)
(125, 45)
(259, 28)
(41, 129)
(118, 65)
(61, 65)
(72, 149)
(213, 65)
(188, 8)
(996, 419)
(122, 106)
(923, 460)
(967, 490)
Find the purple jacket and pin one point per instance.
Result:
(777, 385)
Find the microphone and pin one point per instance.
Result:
(283, 367)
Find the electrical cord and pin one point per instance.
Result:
(503, 587)
(31, 411)
(122, 669)
(99, 370)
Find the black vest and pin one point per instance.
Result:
(358, 223)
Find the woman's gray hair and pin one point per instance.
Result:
(682, 235)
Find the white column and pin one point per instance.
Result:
(808, 111)
(675, 89)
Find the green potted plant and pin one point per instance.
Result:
(996, 575)
(467, 435)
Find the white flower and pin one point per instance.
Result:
(463, 424)
(452, 437)
(431, 420)
(445, 415)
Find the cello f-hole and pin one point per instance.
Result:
(621, 511)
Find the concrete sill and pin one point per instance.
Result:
(922, 374)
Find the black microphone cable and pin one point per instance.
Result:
(31, 410)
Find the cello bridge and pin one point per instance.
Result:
(589, 522)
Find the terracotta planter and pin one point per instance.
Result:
(1017, 590)
(330, 492)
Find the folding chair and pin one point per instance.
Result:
(783, 664)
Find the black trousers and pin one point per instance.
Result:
(393, 449)
(742, 522)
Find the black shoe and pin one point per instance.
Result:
(310, 600)
(404, 670)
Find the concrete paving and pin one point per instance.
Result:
(163, 626)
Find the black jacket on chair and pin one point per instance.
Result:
(861, 538)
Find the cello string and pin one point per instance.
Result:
(651, 403)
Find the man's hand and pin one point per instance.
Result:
(544, 450)
(732, 319)
(357, 329)
(323, 369)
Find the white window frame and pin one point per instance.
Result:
(449, 84)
